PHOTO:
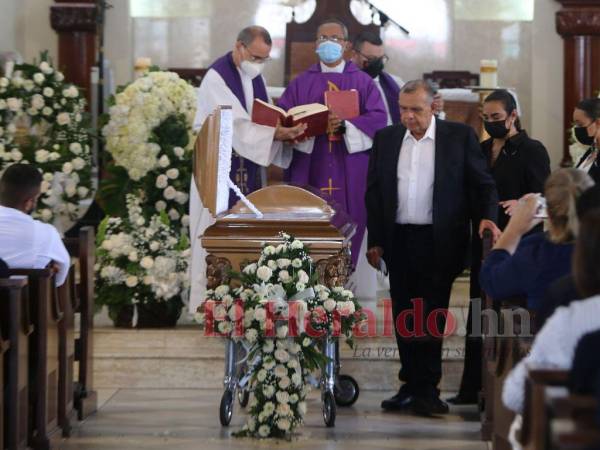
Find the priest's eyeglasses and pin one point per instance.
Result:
(338, 39)
(254, 58)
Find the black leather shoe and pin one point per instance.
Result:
(402, 400)
(428, 406)
(464, 398)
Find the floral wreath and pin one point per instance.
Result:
(149, 137)
(43, 122)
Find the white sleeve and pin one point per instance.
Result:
(283, 154)
(306, 146)
(356, 140)
(546, 352)
(250, 140)
(55, 251)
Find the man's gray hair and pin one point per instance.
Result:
(337, 22)
(249, 34)
(413, 86)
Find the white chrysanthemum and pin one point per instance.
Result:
(147, 262)
(261, 375)
(41, 156)
(269, 391)
(294, 399)
(131, 281)
(282, 356)
(268, 347)
(260, 314)
(296, 379)
(63, 119)
(296, 263)
(264, 273)
(251, 335)
(283, 409)
(264, 430)
(329, 304)
(284, 276)
(296, 244)
(78, 163)
(38, 78)
(283, 424)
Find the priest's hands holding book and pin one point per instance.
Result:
(289, 134)
(335, 125)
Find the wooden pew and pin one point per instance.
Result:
(83, 249)
(15, 322)
(582, 411)
(43, 357)
(66, 353)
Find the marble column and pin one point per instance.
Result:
(578, 22)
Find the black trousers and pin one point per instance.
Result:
(420, 298)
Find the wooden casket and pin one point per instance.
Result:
(239, 234)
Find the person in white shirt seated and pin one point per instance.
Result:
(26, 243)
(554, 346)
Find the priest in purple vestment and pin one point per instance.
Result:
(337, 168)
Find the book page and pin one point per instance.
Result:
(298, 112)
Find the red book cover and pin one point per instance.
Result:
(344, 104)
(314, 115)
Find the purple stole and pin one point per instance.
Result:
(244, 172)
(391, 91)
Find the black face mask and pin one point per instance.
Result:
(374, 67)
(581, 135)
(496, 129)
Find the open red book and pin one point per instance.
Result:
(314, 115)
(344, 104)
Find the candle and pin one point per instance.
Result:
(488, 73)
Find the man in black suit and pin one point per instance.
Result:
(419, 179)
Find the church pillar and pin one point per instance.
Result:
(578, 22)
(76, 24)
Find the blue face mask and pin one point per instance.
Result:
(329, 51)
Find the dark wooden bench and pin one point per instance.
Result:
(43, 357)
(83, 249)
(16, 328)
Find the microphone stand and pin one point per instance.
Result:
(384, 18)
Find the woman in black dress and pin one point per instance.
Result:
(520, 165)
(587, 131)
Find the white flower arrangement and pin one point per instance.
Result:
(43, 122)
(138, 110)
(131, 268)
(282, 359)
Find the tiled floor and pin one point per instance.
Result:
(178, 419)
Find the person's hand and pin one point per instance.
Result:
(438, 103)
(487, 224)
(509, 206)
(523, 218)
(333, 123)
(374, 255)
(289, 133)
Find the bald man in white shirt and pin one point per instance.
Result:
(26, 243)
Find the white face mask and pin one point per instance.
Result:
(252, 69)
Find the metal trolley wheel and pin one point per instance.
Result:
(329, 409)
(226, 408)
(346, 390)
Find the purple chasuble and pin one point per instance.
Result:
(244, 173)
(391, 91)
(330, 168)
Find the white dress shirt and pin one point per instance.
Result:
(26, 243)
(415, 172)
(554, 346)
(355, 139)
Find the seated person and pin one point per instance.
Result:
(554, 346)
(526, 267)
(562, 291)
(585, 372)
(26, 243)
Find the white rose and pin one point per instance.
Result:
(185, 220)
(154, 246)
(282, 355)
(148, 280)
(300, 286)
(297, 263)
(221, 290)
(82, 191)
(323, 295)
(37, 101)
(70, 189)
(54, 156)
(268, 346)
(303, 277)
(47, 111)
(347, 293)
(2, 104)
(264, 273)
(14, 104)
(16, 155)
(39, 78)
(147, 262)
(73, 92)
(169, 193)
(67, 168)
(283, 263)
(131, 281)
(160, 205)
(179, 152)
(329, 305)
(296, 245)
(284, 276)
(59, 76)
(284, 383)
(44, 187)
(297, 379)
(260, 314)
(269, 250)
(46, 68)
(302, 408)
(3, 82)
(282, 332)
(181, 198)
(133, 256)
(173, 173)
(174, 214)
(164, 161)
(41, 156)
(63, 119)
(282, 397)
(75, 148)
(162, 181)
(78, 163)
(46, 214)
